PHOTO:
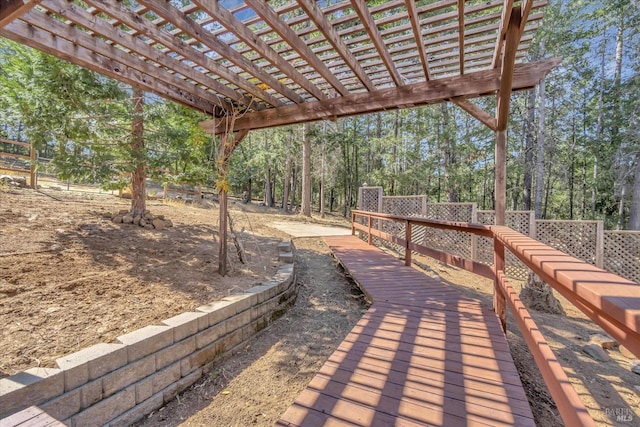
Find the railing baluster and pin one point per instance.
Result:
(370, 225)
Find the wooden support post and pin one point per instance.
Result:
(222, 230)
(32, 168)
(599, 244)
(500, 177)
(370, 241)
(499, 301)
(407, 237)
(353, 222)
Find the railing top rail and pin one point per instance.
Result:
(550, 221)
(479, 229)
(22, 144)
(609, 300)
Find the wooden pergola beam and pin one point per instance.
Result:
(507, 70)
(502, 32)
(47, 42)
(482, 116)
(372, 29)
(470, 85)
(271, 17)
(101, 27)
(417, 35)
(82, 39)
(170, 13)
(461, 34)
(316, 15)
(14, 9)
(234, 25)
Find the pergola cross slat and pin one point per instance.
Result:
(254, 66)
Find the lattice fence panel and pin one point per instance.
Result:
(452, 242)
(404, 205)
(622, 253)
(575, 238)
(517, 220)
(369, 199)
(463, 212)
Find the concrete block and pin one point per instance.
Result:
(284, 247)
(205, 355)
(218, 311)
(211, 334)
(177, 351)
(169, 393)
(107, 409)
(189, 380)
(147, 340)
(231, 340)
(139, 411)
(30, 387)
(144, 390)
(90, 393)
(91, 363)
(238, 321)
(260, 291)
(286, 257)
(241, 302)
(166, 377)
(259, 311)
(185, 324)
(64, 406)
(127, 375)
(185, 366)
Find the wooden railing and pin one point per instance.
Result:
(31, 157)
(609, 300)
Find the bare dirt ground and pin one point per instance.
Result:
(70, 278)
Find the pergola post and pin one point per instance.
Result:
(512, 39)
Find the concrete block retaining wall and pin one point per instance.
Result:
(117, 384)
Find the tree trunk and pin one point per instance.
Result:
(634, 214)
(599, 131)
(138, 177)
(268, 194)
(449, 156)
(540, 152)
(528, 151)
(322, 180)
(287, 176)
(294, 186)
(306, 172)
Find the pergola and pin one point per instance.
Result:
(253, 64)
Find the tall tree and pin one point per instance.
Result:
(306, 171)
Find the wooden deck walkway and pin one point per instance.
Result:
(423, 355)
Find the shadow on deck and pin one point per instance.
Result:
(423, 354)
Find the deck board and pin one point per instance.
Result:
(424, 354)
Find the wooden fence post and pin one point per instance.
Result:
(353, 222)
(599, 244)
(474, 238)
(32, 169)
(370, 237)
(532, 224)
(407, 236)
